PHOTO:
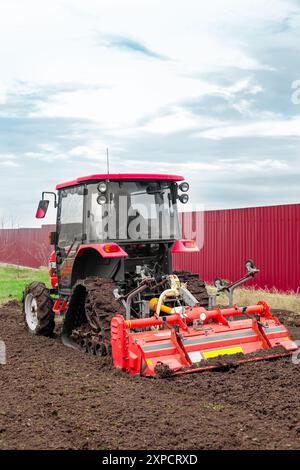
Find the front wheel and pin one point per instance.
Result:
(38, 309)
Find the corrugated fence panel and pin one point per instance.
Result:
(25, 246)
(268, 235)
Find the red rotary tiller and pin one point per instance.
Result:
(195, 339)
(192, 338)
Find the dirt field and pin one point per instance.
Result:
(52, 397)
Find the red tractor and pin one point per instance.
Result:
(114, 289)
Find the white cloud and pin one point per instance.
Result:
(151, 88)
(219, 166)
(177, 119)
(9, 164)
(2, 94)
(271, 128)
(8, 160)
(57, 42)
(7, 156)
(201, 73)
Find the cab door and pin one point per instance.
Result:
(70, 233)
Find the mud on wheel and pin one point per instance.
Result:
(91, 308)
(38, 309)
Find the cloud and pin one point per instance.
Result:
(25, 98)
(268, 128)
(2, 94)
(202, 91)
(8, 160)
(125, 43)
(9, 164)
(236, 166)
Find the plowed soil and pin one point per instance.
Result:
(53, 397)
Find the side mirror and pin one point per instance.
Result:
(42, 209)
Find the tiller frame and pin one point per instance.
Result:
(193, 338)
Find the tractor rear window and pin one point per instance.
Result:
(128, 210)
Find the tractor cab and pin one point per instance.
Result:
(113, 224)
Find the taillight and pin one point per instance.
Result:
(189, 243)
(111, 248)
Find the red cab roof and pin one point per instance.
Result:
(120, 176)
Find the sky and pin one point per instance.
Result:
(207, 90)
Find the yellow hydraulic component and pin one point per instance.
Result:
(157, 305)
(153, 305)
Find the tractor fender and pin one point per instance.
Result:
(185, 246)
(106, 250)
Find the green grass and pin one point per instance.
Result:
(13, 279)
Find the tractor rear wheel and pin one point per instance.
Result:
(195, 285)
(38, 309)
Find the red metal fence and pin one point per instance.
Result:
(268, 235)
(25, 246)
